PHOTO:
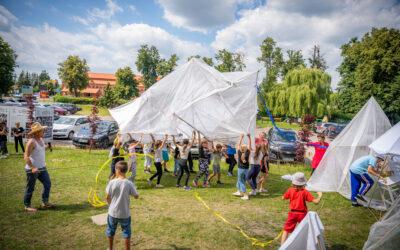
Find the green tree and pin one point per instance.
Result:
(229, 61)
(23, 79)
(165, 67)
(74, 73)
(146, 62)
(303, 91)
(126, 78)
(371, 67)
(271, 57)
(295, 60)
(112, 97)
(44, 76)
(7, 66)
(316, 60)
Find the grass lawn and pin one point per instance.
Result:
(167, 218)
(285, 125)
(86, 110)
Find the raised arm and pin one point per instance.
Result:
(250, 145)
(164, 141)
(239, 145)
(193, 139)
(152, 138)
(199, 138)
(173, 140)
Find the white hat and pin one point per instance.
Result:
(299, 179)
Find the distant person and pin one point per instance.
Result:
(118, 192)
(216, 155)
(230, 153)
(132, 163)
(243, 168)
(3, 141)
(256, 157)
(115, 155)
(320, 147)
(18, 133)
(184, 150)
(158, 146)
(204, 159)
(165, 157)
(298, 196)
(176, 160)
(35, 167)
(360, 171)
(263, 175)
(147, 159)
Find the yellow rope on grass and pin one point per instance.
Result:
(253, 240)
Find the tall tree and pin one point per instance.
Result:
(271, 57)
(165, 67)
(316, 60)
(7, 66)
(74, 73)
(146, 62)
(126, 78)
(303, 91)
(295, 60)
(371, 67)
(44, 76)
(229, 61)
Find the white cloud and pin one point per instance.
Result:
(6, 18)
(197, 15)
(105, 47)
(301, 24)
(97, 14)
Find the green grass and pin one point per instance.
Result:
(285, 125)
(167, 218)
(86, 110)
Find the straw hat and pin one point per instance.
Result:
(299, 179)
(36, 127)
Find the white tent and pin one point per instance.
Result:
(309, 234)
(332, 174)
(385, 234)
(195, 96)
(389, 142)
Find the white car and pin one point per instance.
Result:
(67, 126)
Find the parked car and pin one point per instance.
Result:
(71, 108)
(282, 145)
(334, 130)
(66, 126)
(57, 110)
(104, 136)
(323, 126)
(195, 152)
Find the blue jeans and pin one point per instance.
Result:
(176, 166)
(112, 224)
(241, 179)
(44, 178)
(252, 175)
(356, 180)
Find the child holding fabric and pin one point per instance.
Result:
(216, 157)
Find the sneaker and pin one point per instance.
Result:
(361, 198)
(245, 197)
(30, 209)
(178, 185)
(186, 188)
(262, 190)
(3, 157)
(254, 192)
(355, 204)
(149, 182)
(195, 184)
(159, 186)
(237, 193)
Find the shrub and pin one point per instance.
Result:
(74, 100)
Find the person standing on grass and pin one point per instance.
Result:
(298, 196)
(256, 157)
(243, 168)
(3, 141)
(18, 133)
(204, 158)
(216, 156)
(35, 167)
(262, 177)
(158, 146)
(183, 161)
(230, 152)
(133, 157)
(320, 147)
(147, 159)
(165, 157)
(118, 192)
(176, 161)
(115, 155)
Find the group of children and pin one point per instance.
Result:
(252, 169)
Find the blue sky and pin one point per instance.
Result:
(108, 33)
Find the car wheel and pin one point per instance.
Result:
(105, 143)
(71, 135)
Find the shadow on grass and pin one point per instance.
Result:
(72, 208)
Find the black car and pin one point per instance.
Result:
(103, 138)
(334, 130)
(71, 108)
(282, 144)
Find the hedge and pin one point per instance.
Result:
(74, 100)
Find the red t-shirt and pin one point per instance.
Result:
(298, 198)
(320, 149)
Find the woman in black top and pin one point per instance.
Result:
(18, 132)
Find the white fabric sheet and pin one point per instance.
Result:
(389, 142)
(307, 235)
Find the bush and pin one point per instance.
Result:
(73, 100)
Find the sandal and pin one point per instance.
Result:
(30, 209)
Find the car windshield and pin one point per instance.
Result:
(285, 136)
(65, 120)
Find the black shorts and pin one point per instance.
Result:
(265, 168)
